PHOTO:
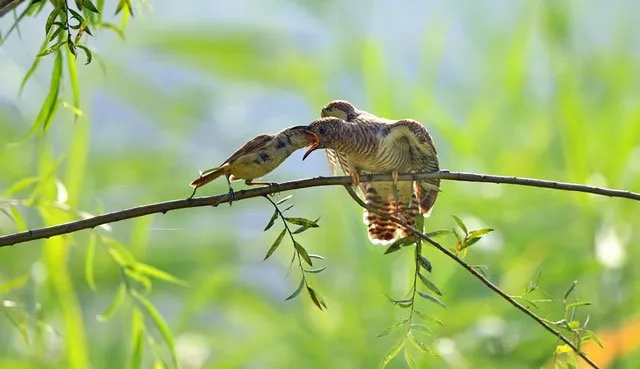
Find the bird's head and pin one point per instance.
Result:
(323, 133)
(340, 109)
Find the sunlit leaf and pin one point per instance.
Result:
(391, 354)
(577, 304)
(275, 245)
(432, 298)
(297, 291)
(590, 334)
(420, 345)
(137, 338)
(89, 5)
(302, 252)
(73, 80)
(305, 227)
(13, 283)
(53, 48)
(122, 4)
(115, 303)
(17, 218)
(159, 323)
(88, 262)
(428, 317)
(154, 272)
(430, 285)
(283, 199)
(563, 349)
(409, 359)
(439, 233)
(393, 328)
(480, 232)
(317, 300)
(460, 224)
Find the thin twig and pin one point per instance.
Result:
(7, 5)
(478, 275)
(163, 207)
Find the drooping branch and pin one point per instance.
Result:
(478, 275)
(163, 207)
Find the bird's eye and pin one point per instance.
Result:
(322, 130)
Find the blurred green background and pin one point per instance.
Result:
(544, 89)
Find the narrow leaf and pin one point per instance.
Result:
(317, 300)
(297, 291)
(468, 242)
(87, 53)
(272, 220)
(432, 298)
(302, 222)
(420, 345)
(275, 245)
(393, 328)
(53, 48)
(439, 233)
(460, 224)
(570, 289)
(391, 354)
(88, 262)
(421, 328)
(315, 271)
(480, 232)
(283, 199)
(89, 5)
(430, 285)
(115, 303)
(159, 322)
(304, 227)
(14, 283)
(137, 338)
(302, 252)
(577, 304)
(21, 225)
(428, 317)
(154, 272)
(426, 264)
(409, 359)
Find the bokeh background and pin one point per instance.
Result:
(545, 89)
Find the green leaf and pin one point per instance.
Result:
(432, 298)
(87, 53)
(283, 199)
(88, 262)
(393, 328)
(47, 111)
(430, 285)
(122, 4)
(50, 19)
(392, 248)
(75, 84)
(593, 337)
(137, 338)
(391, 354)
(89, 5)
(275, 245)
(53, 48)
(468, 242)
(297, 291)
(272, 220)
(420, 345)
(114, 28)
(480, 232)
(570, 289)
(159, 323)
(428, 317)
(577, 304)
(304, 227)
(154, 272)
(302, 222)
(21, 225)
(13, 283)
(439, 233)
(401, 303)
(399, 243)
(425, 263)
(317, 300)
(460, 224)
(315, 271)
(115, 303)
(302, 252)
(421, 328)
(131, 272)
(410, 361)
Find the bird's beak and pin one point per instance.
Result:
(313, 140)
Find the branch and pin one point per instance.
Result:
(478, 275)
(164, 207)
(8, 5)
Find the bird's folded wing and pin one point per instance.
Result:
(250, 146)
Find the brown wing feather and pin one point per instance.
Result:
(250, 146)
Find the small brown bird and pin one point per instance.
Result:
(367, 143)
(256, 158)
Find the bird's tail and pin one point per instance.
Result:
(209, 176)
(427, 192)
(381, 230)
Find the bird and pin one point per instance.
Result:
(365, 143)
(256, 158)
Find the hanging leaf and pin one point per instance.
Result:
(272, 220)
(460, 224)
(393, 328)
(432, 298)
(297, 291)
(430, 285)
(302, 252)
(275, 245)
(392, 354)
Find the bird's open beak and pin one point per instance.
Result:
(313, 140)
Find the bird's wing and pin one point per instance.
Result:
(252, 145)
(419, 138)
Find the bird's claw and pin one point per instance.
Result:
(231, 195)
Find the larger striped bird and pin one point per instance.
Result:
(360, 142)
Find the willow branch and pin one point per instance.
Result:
(164, 207)
(476, 274)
